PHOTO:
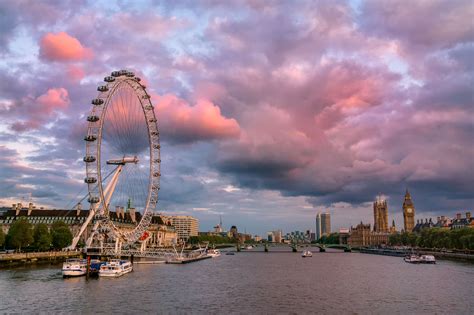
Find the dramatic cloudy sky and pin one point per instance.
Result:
(269, 111)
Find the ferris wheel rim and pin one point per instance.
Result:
(94, 138)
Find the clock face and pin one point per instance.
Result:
(409, 210)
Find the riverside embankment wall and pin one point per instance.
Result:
(16, 259)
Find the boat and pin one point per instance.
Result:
(249, 247)
(427, 259)
(95, 267)
(412, 259)
(307, 253)
(74, 267)
(115, 268)
(213, 253)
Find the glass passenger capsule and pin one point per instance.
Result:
(90, 180)
(97, 101)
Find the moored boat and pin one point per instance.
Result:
(427, 259)
(412, 259)
(213, 253)
(307, 253)
(115, 268)
(74, 267)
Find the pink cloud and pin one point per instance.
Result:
(37, 111)
(186, 123)
(57, 98)
(63, 47)
(75, 73)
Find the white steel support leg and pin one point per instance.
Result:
(83, 227)
(108, 192)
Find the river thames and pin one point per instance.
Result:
(248, 283)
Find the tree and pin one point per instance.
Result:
(42, 237)
(61, 235)
(20, 234)
(2, 236)
(58, 224)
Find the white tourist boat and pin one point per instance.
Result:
(115, 268)
(74, 267)
(427, 259)
(249, 247)
(307, 253)
(412, 259)
(213, 252)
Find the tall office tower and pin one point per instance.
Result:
(325, 223)
(318, 226)
(185, 226)
(380, 215)
(408, 213)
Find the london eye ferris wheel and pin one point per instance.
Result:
(122, 158)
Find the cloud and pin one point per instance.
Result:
(425, 25)
(287, 106)
(37, 111)
(63, 47)
(180, 122)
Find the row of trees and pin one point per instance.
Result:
(22, 235)
(332, 238)
(212, 239)
(436, 238)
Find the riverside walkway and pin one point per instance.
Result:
(14, 259)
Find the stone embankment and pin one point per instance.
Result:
(18, 259)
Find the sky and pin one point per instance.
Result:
(268, 111)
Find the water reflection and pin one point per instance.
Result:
(332, 282)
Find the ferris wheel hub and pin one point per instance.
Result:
(123, 161)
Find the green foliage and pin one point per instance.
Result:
(436, 238)
(20, 234)
(212, 239)
(405, 239)
(58, 224)
(2, 236)
(61, 235)
(42, 237)
(332, 238)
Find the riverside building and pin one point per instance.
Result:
(408, 213)
(362, 235)
(323, 224)
(186, 226)
(380, 215)
(159, 233)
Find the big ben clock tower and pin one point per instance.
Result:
(408, 213)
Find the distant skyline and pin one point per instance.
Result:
(269, 112)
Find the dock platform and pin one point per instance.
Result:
(186, 260)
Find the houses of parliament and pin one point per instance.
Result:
(381, 215)
(363, 235)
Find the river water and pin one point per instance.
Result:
(251, 283)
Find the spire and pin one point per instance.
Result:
(407, 194)
(393, 222)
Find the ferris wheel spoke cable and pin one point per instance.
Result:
(84, 197)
